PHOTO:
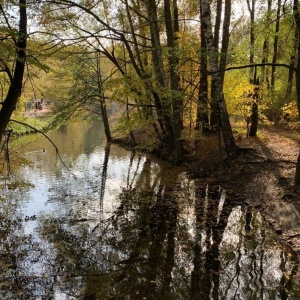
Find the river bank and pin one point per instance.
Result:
(118, 224)
(262, 176)
(265, 179)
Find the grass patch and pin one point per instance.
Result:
(40, 123)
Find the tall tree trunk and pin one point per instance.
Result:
(225, 38)
(265, 56)
(202, 120)
(157, 60)
(264, 60)
(253, 73)
(297, 21)
(251, 9)
(231, 148)
(16, 77)
(275, 45)
(102, 100)
(174, 78)
(254, 112)
(216, 39)
(292, 65)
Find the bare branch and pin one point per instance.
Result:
(42, 133)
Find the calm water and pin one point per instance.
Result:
(128, 226)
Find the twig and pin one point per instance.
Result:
(56, 149)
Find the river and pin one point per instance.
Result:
(113, 224)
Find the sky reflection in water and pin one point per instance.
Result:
(131, 227)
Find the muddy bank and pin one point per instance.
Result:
(262, 176)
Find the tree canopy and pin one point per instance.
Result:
(174, 65)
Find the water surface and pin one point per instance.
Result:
(121, 225)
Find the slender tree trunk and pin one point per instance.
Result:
(231, 148)
(275, 46)
(217, 24)
(254, 112)
(202, 120)
(265, 57)
(253, 73)
(251, 8)
(16, 78)
(102, 100)
(162, 105)
(297, 21)
(225, 38)
(291, 71)
(216, 39)
(174, 80)
(264, 60)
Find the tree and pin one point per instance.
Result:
(297, 22)
(223, 117)
(202, 104)
(163, 87)
(14, 70)
(253, 72)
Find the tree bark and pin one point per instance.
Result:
(174, 78)
(163, 104)
(16, 77)
(275, 45)
(102, 101)
(297, 21)
(225, 38)
(251, 8)
(216, 39)
(253, 75)
(291, 71)
(202, 120)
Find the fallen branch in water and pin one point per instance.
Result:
(45, 135)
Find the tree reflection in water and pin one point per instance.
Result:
(171, 237)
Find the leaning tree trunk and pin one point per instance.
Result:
(297, 21)
(231, 148)
(16, 78)
(102, 100)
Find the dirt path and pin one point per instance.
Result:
(267, 181)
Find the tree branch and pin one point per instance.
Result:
(253, 65)
(56, 149)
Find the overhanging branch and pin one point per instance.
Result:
(56, 149)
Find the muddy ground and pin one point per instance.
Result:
(264, 177)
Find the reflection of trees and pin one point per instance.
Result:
(211, 219)
(20, 277)
(104, 174)
(169, 238)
